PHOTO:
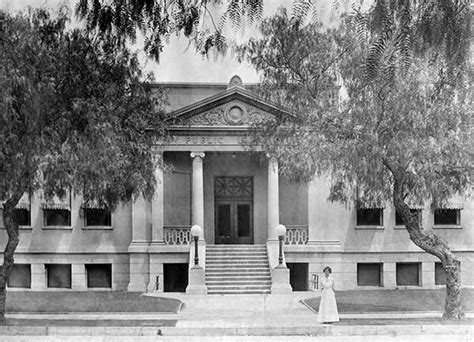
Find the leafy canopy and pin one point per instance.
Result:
(75, 113)
(413, 125)
(394, 32)
(157, 20)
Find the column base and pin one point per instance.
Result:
(281, 281)
(138, 247)
(197, 281)
(139, 273)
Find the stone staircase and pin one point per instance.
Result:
(237, 269)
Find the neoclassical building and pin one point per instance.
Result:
(238, 198)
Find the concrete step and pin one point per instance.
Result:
(237, 267)
(237, 287)
(237, 277)
(234, 249)
(237, 262)
(235, 254)
(240, 282)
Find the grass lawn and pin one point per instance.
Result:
(90, 322)
(402, 321)
(392, 300)
(58, 302)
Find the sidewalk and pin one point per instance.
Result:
(235, 315)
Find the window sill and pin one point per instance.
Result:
(400, 227)
(97, 228)
(369, 287)
(57, 228)
(20, 227)
(370, 227)
(447, 226)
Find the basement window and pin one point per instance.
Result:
(20, 276)
(298, 276)
(175, 277)
(408, 274)
(99, 275)
(369, 274)
(59, 275)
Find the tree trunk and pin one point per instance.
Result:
(13, 239)
(433, 244)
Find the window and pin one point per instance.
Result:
(370, 217)
(448, 217)
(440, 274)
(175, 277)
(57, 217)
(59, 275)
(22, 217)
(99, 275)
(20, 276)
(97, 217)
(408, 274)
(369, 274)
(398, 217)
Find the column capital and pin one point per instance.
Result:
(197, 154)
(271, 157)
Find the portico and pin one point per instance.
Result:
(211, 178)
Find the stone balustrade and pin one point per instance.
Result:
(296, 235)
(177, 235)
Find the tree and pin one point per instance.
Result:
(158, 20)
(75, 114)
(396, 31)
(403, 138)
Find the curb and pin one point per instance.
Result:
(323, 330)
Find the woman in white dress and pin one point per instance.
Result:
(327, 307)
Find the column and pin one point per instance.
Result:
(139, 225)
(138, 249)
(273, 209)
(196, 280)
(157, 212)
(198, 191)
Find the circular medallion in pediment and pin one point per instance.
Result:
(234, 114)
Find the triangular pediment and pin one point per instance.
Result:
(235, 107)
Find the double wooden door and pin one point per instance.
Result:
(233, 210)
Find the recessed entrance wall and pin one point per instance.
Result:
(243, 214)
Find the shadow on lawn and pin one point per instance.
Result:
(392, 300)
(110, 301)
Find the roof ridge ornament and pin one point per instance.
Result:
(235, 81)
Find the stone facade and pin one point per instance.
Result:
(213, 180)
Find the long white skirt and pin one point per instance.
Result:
(328, 307)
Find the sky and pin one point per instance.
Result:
(179, 63)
